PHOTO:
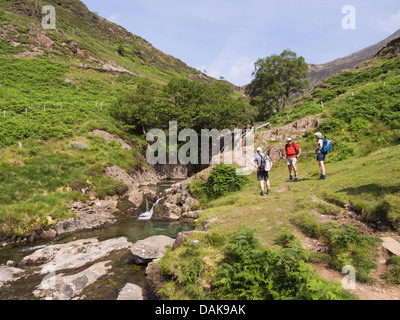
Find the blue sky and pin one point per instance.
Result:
(226, 37)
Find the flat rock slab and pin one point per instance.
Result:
(74, 255)
(61, 287)
(9, 274)
(131, 292)
(392, 246)
(145, 251)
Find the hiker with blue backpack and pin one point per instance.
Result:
(324, 147)
(264, 165)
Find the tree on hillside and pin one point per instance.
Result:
(192, 104)
(276, 80)
(135, 108)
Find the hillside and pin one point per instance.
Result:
(319, 72)
(83, 40)
(58, 86)
(297, 240)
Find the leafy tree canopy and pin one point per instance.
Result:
(276, 80)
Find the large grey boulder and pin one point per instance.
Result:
(74, 255)
(60, 287)
(145, 251)
(131, 292)
(136, 197)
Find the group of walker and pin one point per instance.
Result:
(264, 163)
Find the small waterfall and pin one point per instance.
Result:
(149, 213)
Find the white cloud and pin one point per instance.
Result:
(392, 24)
(237, 71)
(241, 70)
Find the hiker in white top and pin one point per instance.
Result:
(264, 165)
(320, 155)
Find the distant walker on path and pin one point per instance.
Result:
(264, 165)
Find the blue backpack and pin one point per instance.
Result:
(327, 146)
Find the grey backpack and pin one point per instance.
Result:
(266, 163)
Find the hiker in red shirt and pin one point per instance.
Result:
(293, 151)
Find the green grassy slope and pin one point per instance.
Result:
(304, 209)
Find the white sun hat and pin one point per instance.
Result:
(319, 135)
(259, 150)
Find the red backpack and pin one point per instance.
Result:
(294, 148)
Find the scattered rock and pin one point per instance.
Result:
(145, 251)
(16, 163)
(131, 292)
(11, 263)
(178, 205)
(109, 137)
(79, 145)
(173, 172)
(9, 274)
(89, 215)
(298, 128)
(151, 265)
(116, 173)
(41, 234)
(277, 152)
(182, 236)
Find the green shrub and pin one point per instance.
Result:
(360, 127)
(342, 150)
(29, 160)
(198, 189)
(104, 187)
(349, 247)
(393, 275)
(115, 145)
(328, 210)
(309, 225)
(249, 272)
(223, 180)
(332, 126)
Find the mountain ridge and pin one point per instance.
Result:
(319, 72)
